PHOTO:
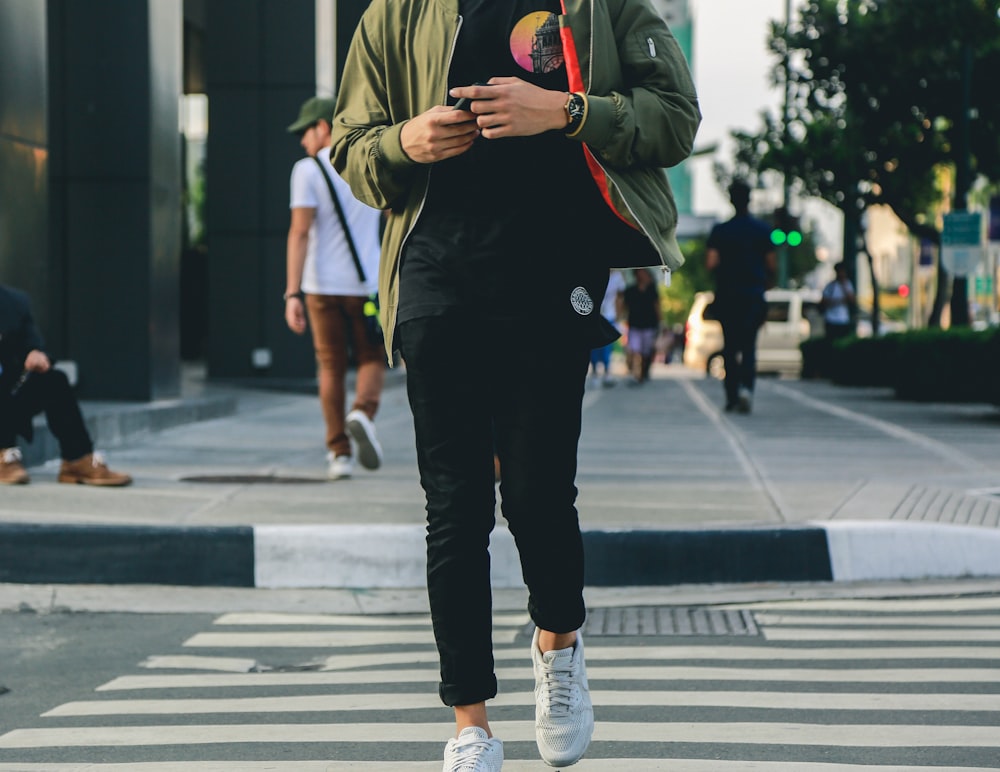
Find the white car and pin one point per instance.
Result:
(791, 315)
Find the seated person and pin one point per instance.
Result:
(29, 385)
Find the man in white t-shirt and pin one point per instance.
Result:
(838, 303)
(331, 275)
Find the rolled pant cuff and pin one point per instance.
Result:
(468, 694)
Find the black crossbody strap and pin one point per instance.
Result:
(343, 221)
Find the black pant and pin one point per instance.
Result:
(741, 318)
(49, 392)
(472, 384)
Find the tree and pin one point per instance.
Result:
(876, 107)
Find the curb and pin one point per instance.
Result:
(392, 556)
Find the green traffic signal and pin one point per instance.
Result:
(779, 237)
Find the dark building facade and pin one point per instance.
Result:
(92, 182)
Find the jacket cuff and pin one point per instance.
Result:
(599, 122)
(390, 148)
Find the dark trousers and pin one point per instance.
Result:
(49, 392)
(740, 318)
(471, 385)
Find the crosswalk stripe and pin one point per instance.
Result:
(647, 674)
(639, 697)
(345, 620)
(881, 620)
(884, 605)
(746, 733)
(587, 765)
(318, 640)
(897, 634)
(218, 664)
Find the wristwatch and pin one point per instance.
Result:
(575, 108)
(288, 295)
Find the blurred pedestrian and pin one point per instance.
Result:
(516, 182)
(642, 309)
(29, 385)
(838, 304)
(332, 268)
(611, 308)
(742, 259)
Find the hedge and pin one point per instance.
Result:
(955, 365)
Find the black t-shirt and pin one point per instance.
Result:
(742, 243)
(513, 226)
(641, 304)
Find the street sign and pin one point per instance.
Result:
(962, 242)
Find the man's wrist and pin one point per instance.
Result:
(298, 294)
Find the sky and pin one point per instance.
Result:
(731, 71)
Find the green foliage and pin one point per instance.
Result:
(956, 365)
(693, 277)
(876, 102)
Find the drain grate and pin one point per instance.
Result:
(251, 479)
(668, 620)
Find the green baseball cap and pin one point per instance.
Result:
(312, 110)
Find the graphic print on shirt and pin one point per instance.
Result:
(535, 43)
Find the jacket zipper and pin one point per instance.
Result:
(590, 79)
(427, 184)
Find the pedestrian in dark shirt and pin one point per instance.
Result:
(30, 385)
(741, 258)
(642, 301)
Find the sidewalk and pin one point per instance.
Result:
(819, 483)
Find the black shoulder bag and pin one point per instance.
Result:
(371, 307)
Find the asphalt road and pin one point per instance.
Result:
(780, 678)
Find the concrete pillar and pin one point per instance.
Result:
(116, 190)
(24, 155)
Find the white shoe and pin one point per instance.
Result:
(362, 431)
(341, 467)
(564, 715)
(473, 751)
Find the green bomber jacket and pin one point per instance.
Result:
(642, 114)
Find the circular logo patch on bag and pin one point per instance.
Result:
(581, 301)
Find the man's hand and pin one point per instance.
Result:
(295, 315)
(511, 107)
(37, 362)
(440, 133)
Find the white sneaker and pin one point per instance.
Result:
(340, 467)
(473, 751)
(564, 715)
(362, 431)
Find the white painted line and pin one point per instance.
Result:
(268, 619)
(646, 674)
(755, 733)
(670, 654)
(370, 556)
(587, 765)
(182, 662)
(887, 621)
(881, 635)
(875, 605)
(863, 701)
(319, 640)
(864, 551)
(758, 480)
(946, 452)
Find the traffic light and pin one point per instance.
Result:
(786, 229)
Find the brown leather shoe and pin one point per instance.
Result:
(12, 471)
(91, 470)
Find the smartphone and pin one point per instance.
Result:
(464, 102)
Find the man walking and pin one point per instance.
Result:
(332, 269)
(30, 385)
(545, 163)
(741, 257)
